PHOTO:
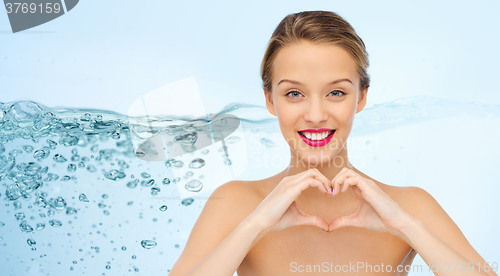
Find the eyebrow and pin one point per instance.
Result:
(299, 83)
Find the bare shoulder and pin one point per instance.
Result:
(410, 198)
(423, 206)
(229, 204)
(415, 201)
(239, 194)
(407, 197)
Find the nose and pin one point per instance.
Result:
(316, 113)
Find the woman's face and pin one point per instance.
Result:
(315, 86)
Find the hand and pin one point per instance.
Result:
(278, 210)
(376, 211)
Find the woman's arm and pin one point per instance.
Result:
(433, 234)
(418, 219)
(213, 247)
(228, 255)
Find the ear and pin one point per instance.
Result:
(269, 101)
(362, 100)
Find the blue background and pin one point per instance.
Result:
(106, 54)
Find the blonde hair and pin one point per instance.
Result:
(318, 27)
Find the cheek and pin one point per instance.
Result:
(347, 116)
(344, 113)
(286, 114)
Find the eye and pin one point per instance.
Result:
(339, 95)
(294, 93)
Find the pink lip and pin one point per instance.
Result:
(318, 143)
(316, 130)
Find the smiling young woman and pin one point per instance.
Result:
(321, 214)
(315, 88)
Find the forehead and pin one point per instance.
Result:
(311, 63)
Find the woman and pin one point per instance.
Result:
(315, 80)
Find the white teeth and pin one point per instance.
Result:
(316, 136)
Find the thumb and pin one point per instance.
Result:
(308, 219)
(342, 221)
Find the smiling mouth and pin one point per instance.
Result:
(328, 136)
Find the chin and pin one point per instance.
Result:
(319, 159)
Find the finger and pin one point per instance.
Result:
(314, 182)
(342, 221)
(336, 188)
(342, 180)
(308, 219)
(314, 174)
(341, 172)
(301, 180)
(335, 183)
(321, 177)
(340, 184)
(299, 185)
(363, 184)
(350, 181)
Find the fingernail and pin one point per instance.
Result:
(332, 191)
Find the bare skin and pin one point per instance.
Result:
(282, 253)
(290, 222)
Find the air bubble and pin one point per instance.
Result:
(187, 201)
(55, 223)
(83, 198)
(197, 163)
(114, 175)
(148, 244)
(194, 186)
(31, 242)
